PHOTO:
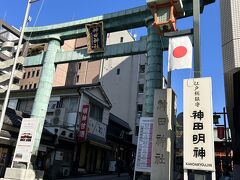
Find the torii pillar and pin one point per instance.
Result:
(39, 111)
(154, 69)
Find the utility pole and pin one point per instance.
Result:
(5, 103)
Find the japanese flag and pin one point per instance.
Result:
(179, 53)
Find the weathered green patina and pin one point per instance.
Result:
(44, 89)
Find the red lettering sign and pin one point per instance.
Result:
(83, 123)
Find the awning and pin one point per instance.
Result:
(105, 146)
(119, 121)
(98, 141)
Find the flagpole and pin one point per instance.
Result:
(6, 99)
(169, 79)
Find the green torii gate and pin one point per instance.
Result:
(55, 35)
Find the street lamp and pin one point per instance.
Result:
(6, 99)
(216, 116)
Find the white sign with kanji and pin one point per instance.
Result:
(144, 147)
(25, 140)
(198, 125)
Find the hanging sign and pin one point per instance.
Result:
(25, 140)
(198, 125)
(144, 147)
(97, 128)
(83, 123)
(95, 37)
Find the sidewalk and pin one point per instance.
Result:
(124, 176)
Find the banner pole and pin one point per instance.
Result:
(213, 175)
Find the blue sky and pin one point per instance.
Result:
(57, 11)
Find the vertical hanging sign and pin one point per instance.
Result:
(198, 125)
(95, 37)
(83, 123)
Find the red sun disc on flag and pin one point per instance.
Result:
(179, 51)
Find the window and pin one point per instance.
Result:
(16, 81)
(35, 85)
(70, 103)
(142, 69)
(33, 73)
(25, 105)
(77, 79)
(30, 86)
(79, 65)
(140, 88)
(28, 75)
(121, 39)
(24, 75)
(118, 71)
(96, 112)
(19, 66)
(25, 87)
(38, 71)
(21, 87)
(139, 109)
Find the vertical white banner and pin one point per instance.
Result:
(163, 141)
(144, 146)
(25, 140)
(198, 125)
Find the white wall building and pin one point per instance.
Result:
(123, 79)
(230, 25)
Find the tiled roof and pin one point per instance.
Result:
(14, 118)
(119, 121)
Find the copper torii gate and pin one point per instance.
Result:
(56, 34)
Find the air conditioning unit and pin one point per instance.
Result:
(66, 171)
(58, 117)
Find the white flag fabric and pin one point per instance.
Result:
(179, 53)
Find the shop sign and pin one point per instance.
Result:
(144, 146)
(97, 128)
(83, 123)
(198, 125)
(220, 132)
(95, 37)
(112, 166)
(25, 140)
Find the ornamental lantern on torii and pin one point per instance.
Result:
(165, 13)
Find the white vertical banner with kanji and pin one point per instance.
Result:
(198, 124)
(144, 146)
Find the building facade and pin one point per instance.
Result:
(8, 45)
(31, 75)
(68, 154)
(122, 78)
(231, 60)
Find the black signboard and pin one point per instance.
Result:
(95, 37)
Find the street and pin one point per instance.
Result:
(105, 177)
